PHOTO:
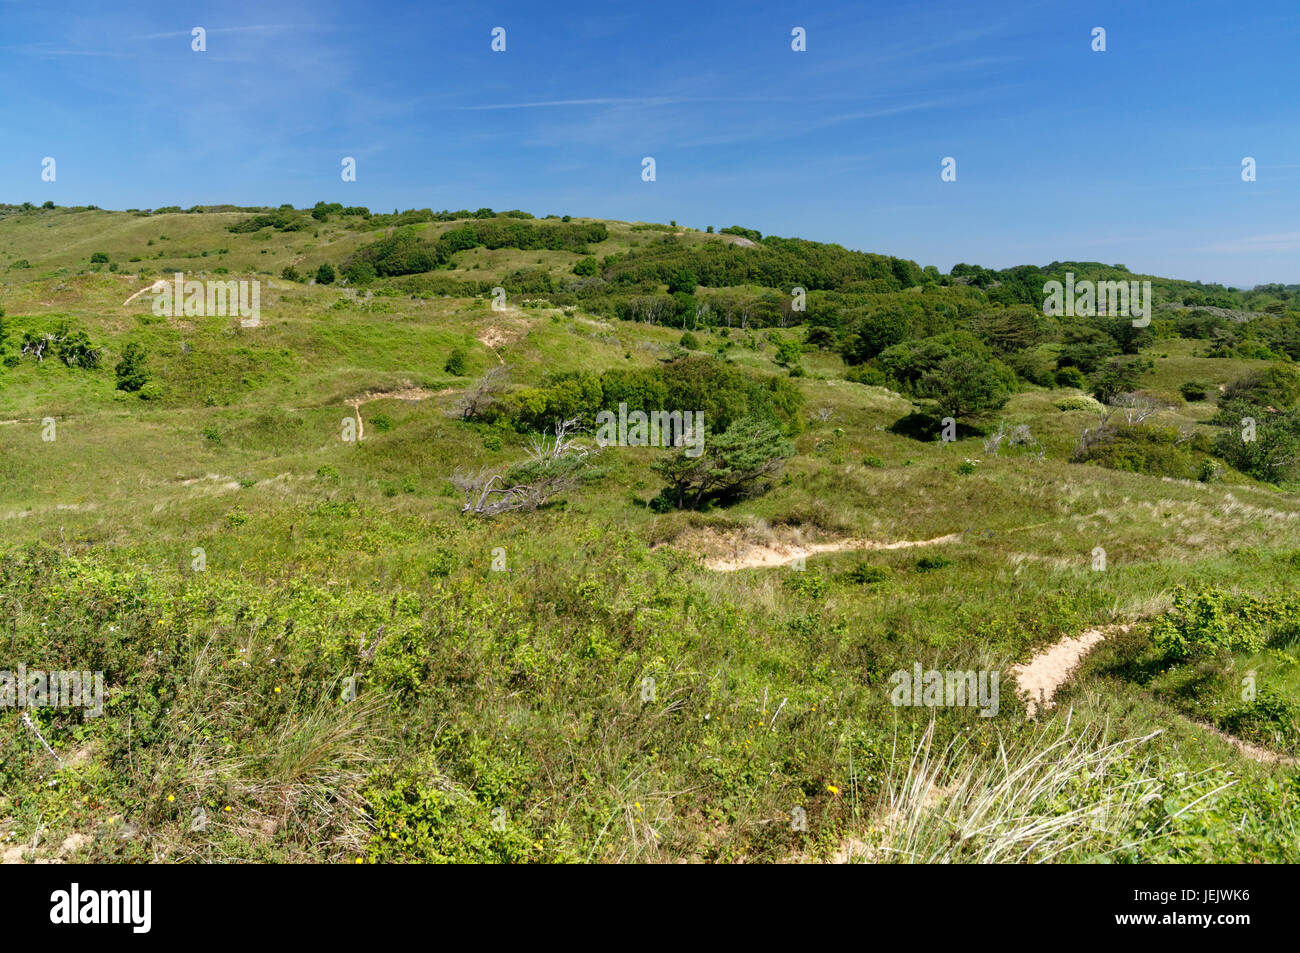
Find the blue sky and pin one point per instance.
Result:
(1130, 156)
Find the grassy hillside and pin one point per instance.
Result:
(579, 681)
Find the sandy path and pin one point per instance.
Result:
(1039, 678)
(159, 285)
(768, 555)
(1252, 751)
(1042, 675)
(409, 393)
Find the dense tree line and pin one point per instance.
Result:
(776, 263)
(409, 252)
(723, 393)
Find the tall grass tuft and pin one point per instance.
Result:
(1062, 792)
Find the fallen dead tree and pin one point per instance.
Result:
(553, 466)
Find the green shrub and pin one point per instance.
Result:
(1194, 390)
(1154, 451)
(360, 273)
(419, 820)
(806, 583)
(862, 374)
(696, 383)
(865, 574)
(284, 219)
(871, 332)
(1117, 377)
(1273, 456)
(130, 370)
(442, 563)
(1270, 718)
(455, 363)
(734, 463)
(966, 386)
(931, 563)
(1082, 402)
(1276, 386)
(75, 350)
(1085, 348)
(1210, 620)
(1033, 367)
(788, 353)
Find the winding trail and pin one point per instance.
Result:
(1038, 679)
(768, 555)
(1252, 751)
(1042, 675)
(159, 285)
(409, 393)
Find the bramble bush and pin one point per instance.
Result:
(1203, 623)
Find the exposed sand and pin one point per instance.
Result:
(1042, 675)
(408, 393)
(1252, 751)
(749, 555)
(157, 286)
(512, 325)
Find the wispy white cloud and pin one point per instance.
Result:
(602, 101)
(39, 49)
(626, 101)
(252, 28)
(50, 51)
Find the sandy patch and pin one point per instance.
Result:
(407, 393)
(222, 482)
(735, 553)
(50, 508)
(509, 325)
(24, 853)
(495, 337)
(740, 240)
(160, 285)
(1042, 675)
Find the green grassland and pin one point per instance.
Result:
(503, 715)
